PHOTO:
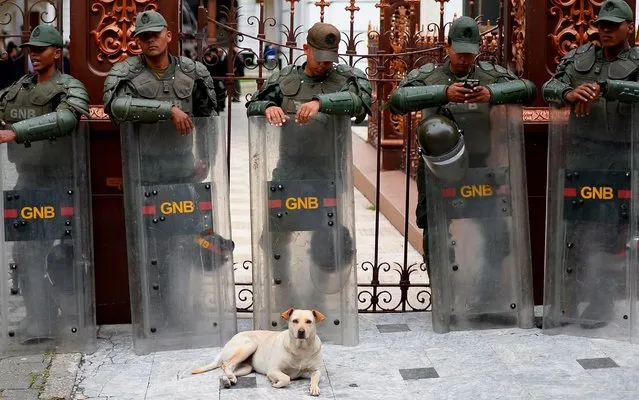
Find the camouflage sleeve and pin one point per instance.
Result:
(554, 91)
(415, 93)
(204, 96)
(3, 103)
(76, 98)
(204, 104)
(354, 99)
(71, 104)
(269, 95)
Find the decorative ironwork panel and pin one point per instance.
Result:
(113, 34)
(573, 25)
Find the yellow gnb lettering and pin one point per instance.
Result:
(597, 193)
(46, 212)
(302, 203)
(177, 207)
(476, 191)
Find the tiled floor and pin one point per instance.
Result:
(398, 357)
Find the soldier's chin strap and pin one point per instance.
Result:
(625, 91)
(132, 109)
(415, 98)
(47, 126)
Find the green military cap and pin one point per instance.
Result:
(464, 35)
(324, 39)
(44, 36)
(149, 21)
(616, 11)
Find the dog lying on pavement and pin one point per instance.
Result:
(281, 356)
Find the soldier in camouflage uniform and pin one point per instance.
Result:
(41, 106)
(448, 90)
(599, 83)
(317, 86)
(157, 86)
(438, 87)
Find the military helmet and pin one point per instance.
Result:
(437, 135)
(441, 145)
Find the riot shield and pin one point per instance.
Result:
(46, 286)
(479, 247)
(588, 276)
(302, 219)
(178, 235)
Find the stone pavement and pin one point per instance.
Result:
(399, 357)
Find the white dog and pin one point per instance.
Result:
(281, 356)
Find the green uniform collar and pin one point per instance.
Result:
(315, 79)
(454, 77)
(33, 78)
(170, 71)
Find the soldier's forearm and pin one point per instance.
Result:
(414, 98)
(554, 91)
(626, 91)
(140, 110)
(47, 126)
(258, 107)
(518, 91)
(343, 103)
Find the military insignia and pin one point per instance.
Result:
(36, 32)
(145, 18)
(467, 33)
(330, 39)
(609, 7)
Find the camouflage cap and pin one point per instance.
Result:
(615, 11)
(149, 21)
(464, 35)
(324, 39)
(44, 36)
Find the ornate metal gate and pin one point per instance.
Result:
(101, 35)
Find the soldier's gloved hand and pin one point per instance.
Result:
(480, 94)
(181, 121)
(307, 111)
(457, 93)
(7, 136)
(275, 116)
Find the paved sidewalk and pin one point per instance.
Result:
(399, 357)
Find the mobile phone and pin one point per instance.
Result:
(471, 83)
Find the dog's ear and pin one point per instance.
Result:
(287, 314)
(319, 317)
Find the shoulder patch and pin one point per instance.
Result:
(286, 70)
(120, 69)
(186, 64)
(427, 68)
(486, 66)
(501, 69)
(275, 76)
(343, 68)
(359, 73)
(584, 48)
(634, 53)
(570, 54)
(201, 71)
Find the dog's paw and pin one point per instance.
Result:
(279, 384)
(226, 382)
(315, 391)
(233, 379)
